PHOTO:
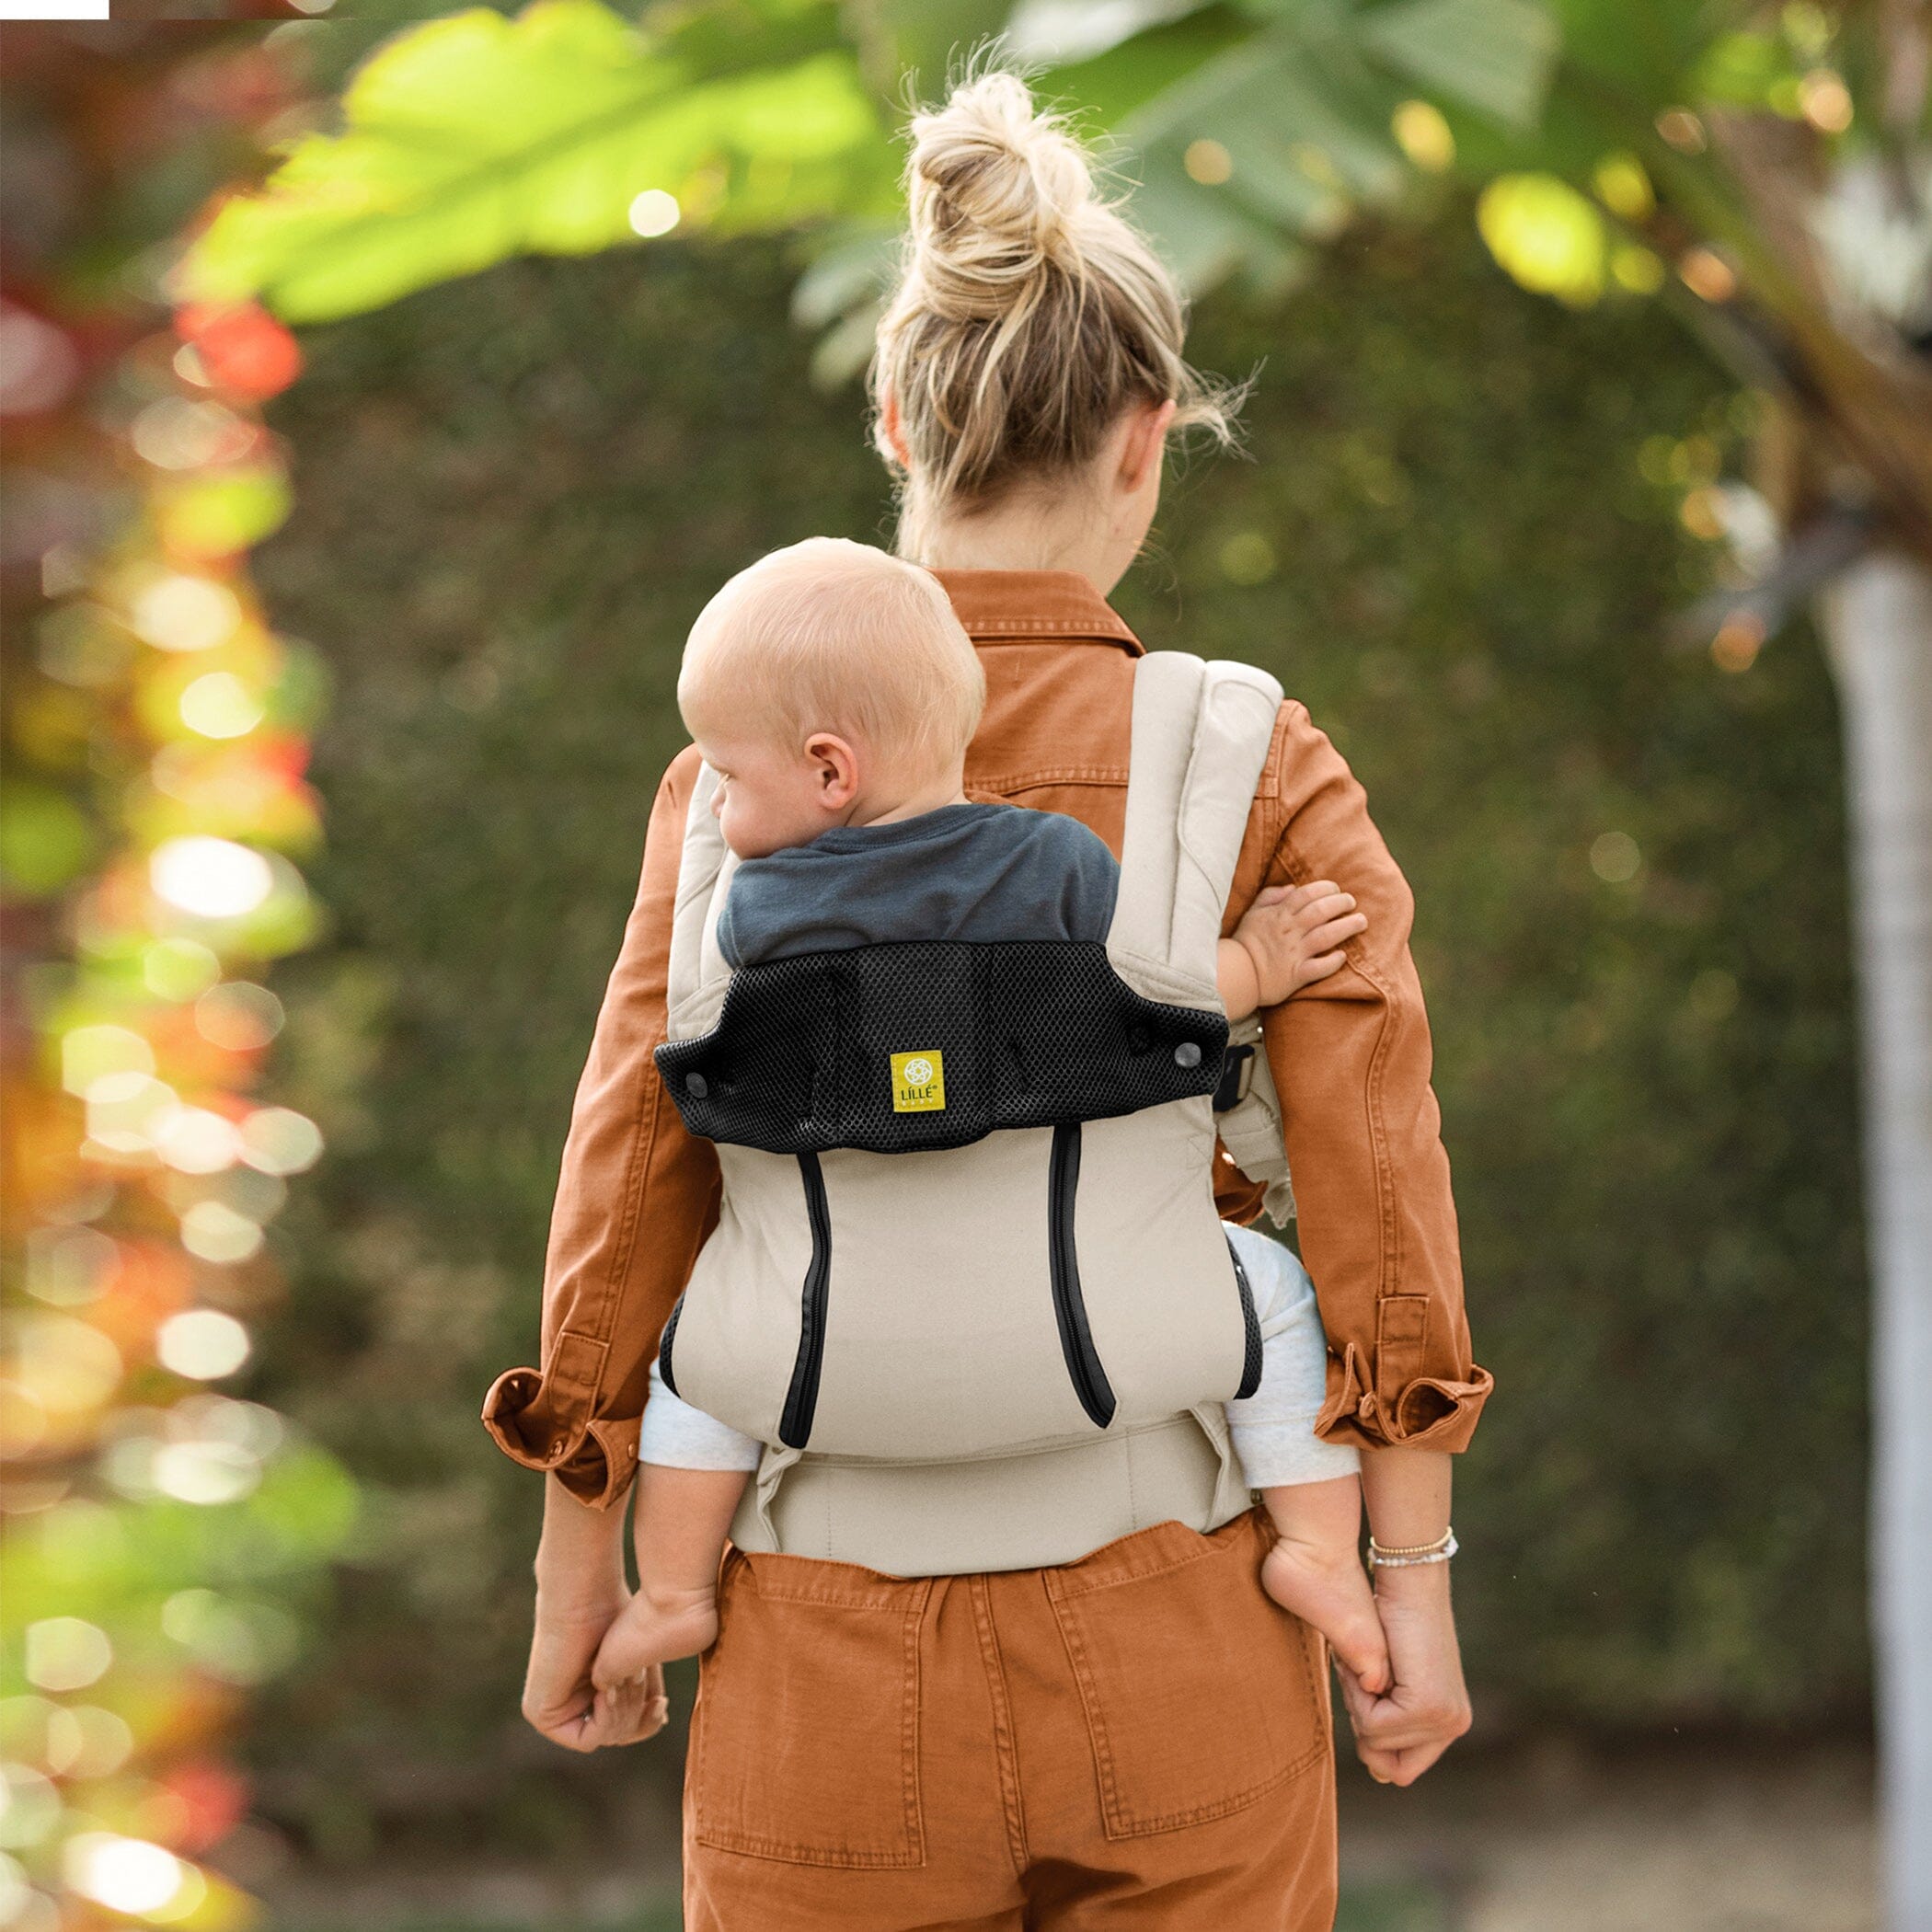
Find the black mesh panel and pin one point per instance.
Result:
(1027, 1032)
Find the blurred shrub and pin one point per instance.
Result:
(1458, 542)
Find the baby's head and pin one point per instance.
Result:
(828, 685)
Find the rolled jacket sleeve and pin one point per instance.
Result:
(635, 1201)
(1350, 1060)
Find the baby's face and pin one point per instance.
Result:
(770, 795)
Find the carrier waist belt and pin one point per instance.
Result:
(1030, 1510)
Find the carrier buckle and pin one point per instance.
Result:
(1238, 1074)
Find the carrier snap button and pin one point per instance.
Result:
(698, 1087)
(1188, 1053)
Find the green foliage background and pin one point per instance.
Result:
(515, 493)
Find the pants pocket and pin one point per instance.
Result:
(1202, 1695)
(805, 1740)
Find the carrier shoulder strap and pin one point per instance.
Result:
(1200, 737)
(699, 975)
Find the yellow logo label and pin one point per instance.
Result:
(918, 1082)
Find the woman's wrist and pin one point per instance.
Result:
(1411, 1583)
(1407, 1494)
(580, 1555)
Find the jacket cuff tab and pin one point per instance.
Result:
(593, 1459)
(1424, 1412)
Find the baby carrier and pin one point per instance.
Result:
(967, 1230)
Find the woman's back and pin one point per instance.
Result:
(1093, 1742)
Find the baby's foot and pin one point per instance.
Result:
(653, 1627)
(1325, 1584)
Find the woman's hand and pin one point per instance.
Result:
(1401, 1733)
(561, 1700)
(580, 1593)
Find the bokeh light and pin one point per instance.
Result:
(202, 1344)
(1707, 274)
(205, 1472)
(85, 1741)
(220, 706)
(239, 1016)
(195, 1140)
(1424, 135)
(182, 613)
(1208, 161)
(654, 213)
(29, 1806)
(1826, 101)
(212, 877)
(1623, 187)
(175, 434)
(66, 1653)
(178, 969)
(1545, 234)
(89, 1055)
(1615, 857)
(278, 1140)
(69, 1266)
(67, 1365)
(212, 1231)
(124, 1874)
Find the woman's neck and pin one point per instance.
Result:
(1027, 535)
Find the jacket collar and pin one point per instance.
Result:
(1012, 605)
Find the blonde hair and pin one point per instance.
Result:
(834, 635)
(1029, 312)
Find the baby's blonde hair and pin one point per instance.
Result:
(832, 636)
(1028, 312)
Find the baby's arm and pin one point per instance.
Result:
(692, 1469)
(1289, 937)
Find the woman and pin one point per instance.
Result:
(1138, 1739)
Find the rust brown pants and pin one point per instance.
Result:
(1137, 1740)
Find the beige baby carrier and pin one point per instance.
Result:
(968, 1280)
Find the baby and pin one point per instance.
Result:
(834, 692)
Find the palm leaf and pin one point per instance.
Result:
(474, 138)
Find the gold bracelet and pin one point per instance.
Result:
(1440, 1551)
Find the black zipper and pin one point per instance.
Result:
(1251, 1329)
(802, 1398)
(677, 1308)
(1076, 1341)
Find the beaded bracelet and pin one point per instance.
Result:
(1381, 1557)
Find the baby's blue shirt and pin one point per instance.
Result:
(976, 872)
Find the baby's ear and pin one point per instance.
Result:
(836, 768)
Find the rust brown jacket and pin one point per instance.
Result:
(1351, 1058)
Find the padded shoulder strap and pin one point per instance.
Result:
(1200, 737)
(698, 973)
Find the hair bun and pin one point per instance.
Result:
(1028, 314)
(995, 187)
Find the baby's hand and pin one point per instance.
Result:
(656, 1625)
(1294, 936)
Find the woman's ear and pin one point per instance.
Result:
(890, 431)
(1142, 444)
(835, 770)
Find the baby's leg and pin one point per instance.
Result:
(683, 1518)
(1312, 1488)
(1315, 1569)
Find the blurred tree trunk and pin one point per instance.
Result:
(1877, 623)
